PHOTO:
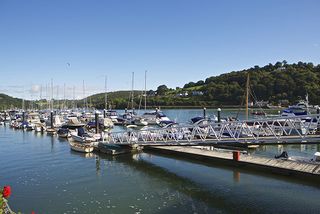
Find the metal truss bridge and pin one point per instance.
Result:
(277, 130)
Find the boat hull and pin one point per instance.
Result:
(79, 147)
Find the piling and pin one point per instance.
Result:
(23, 116)
(219, 115)
(96, 122)
(104, 113)
(204, 112)
(125, 110)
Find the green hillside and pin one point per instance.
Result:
(279, 82)
(7, 102)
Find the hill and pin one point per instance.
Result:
(7, 102)
(279, 82)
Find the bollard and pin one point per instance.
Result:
(51, 119)
(96, 122)
(204, 112)
(236, 155)
(219, 115)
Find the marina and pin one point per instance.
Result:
(140, 182)
(256, 162)
(143, 106)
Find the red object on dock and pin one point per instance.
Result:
(236, 155)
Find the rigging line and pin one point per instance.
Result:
(255, 98)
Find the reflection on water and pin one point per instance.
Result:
(236, 175)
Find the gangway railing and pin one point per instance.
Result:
(278, 129)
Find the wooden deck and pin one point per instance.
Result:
(288, 167)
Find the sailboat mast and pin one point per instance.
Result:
(105, 93)
(74, 98)
(84, 95)
(51, 94)
(132, 93)
(64, 96)
(247, 98)
(145, 90)
(58, 97)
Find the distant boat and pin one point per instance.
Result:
(294, 111)
(299, 109)
(155, 117)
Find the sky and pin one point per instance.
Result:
(175, 41)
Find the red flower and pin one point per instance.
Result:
(6, 191)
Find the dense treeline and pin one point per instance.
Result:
(7, 102)
(274, 82)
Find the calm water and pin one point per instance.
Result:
(46, 176)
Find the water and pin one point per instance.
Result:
(47, 177)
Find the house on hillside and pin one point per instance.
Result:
(197, 93)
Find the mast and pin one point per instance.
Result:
(145, 90)
(84, 95)
(47, 102)
(247, 97)
(40, 103)
(64, 96)
(58, 97)
(105, 93)
(74, 98)
(51, 94)
(132, 93)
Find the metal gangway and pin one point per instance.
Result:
(277, 130)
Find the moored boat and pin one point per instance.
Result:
(81, 147)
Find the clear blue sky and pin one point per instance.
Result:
(177, 41)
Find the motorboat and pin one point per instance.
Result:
(63, 133)
(155, 117)
(82, 136)
(294, 111)
(81, 147)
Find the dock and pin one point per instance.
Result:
(277, 166)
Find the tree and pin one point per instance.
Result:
(162, 89)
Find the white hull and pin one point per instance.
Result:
(82, 139)
(79, 147)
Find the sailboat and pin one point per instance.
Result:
(133, 120)
(156, 117)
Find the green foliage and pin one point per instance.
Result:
(162, 90)
(281, 81)
(7, 102)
